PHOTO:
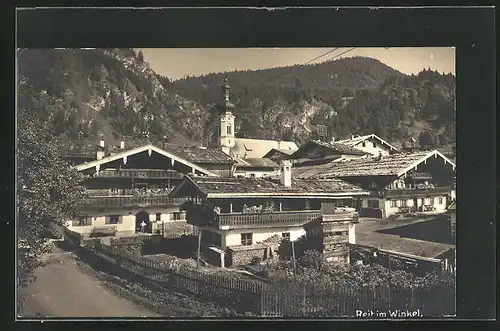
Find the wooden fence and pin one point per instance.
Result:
(272, 300)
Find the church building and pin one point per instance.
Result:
(244, 148)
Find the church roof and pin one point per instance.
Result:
(257, 148)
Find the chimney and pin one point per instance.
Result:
(352, 137)
(122, 145)
(286, 173)
(100, 149)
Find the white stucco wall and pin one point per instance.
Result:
(233, 237)
(370, 148)
(440, 207)
(127, 224)
(128, 217)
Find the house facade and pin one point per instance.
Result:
(371, 144)
(129, 188)
(244, 218)
(399, 183)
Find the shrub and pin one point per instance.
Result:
(312, 259)
(256, 260)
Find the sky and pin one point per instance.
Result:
(176, 63)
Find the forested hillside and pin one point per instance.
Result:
(116, 93)
(351, 96)
(112, 92)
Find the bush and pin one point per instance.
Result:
(312, 259)
(256, 260)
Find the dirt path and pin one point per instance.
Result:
(62, 289)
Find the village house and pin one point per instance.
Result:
(317, 152)
(256, 168)
(279, 154)
(371, 143)
(239, 218)
(127, 187)
(401, 183)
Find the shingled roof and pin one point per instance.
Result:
(334, 147)
(391, 165)
(199, 155)
(259, 187)
(256, 163)
(356, 140)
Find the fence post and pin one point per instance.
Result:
(198, 253)
(304, 301)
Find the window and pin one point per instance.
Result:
(113, 219)
(403, 203)
(82, 221)
(177, 216)
(229, 129)
(394, 203)
(252, 175)
(373, 204)
(363, 144)
(286, 236)
(246, 239)
(373, 185)
(158, 217)
(374, 144)
(440, 200)
(431, 201)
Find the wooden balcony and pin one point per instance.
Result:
(139, 174)
(411, 192)
(340, 217)
(126, 192)
(226, 221)
(120, 202)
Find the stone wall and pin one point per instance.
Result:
(244, 255)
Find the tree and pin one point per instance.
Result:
(140, 56)
(49, 190)
(428, 139)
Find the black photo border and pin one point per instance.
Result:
(470, 30)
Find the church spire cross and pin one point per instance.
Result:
(226, 89)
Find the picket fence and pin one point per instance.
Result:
(281, 300)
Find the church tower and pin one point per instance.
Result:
(226, 127)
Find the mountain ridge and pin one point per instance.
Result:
(116, 93)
